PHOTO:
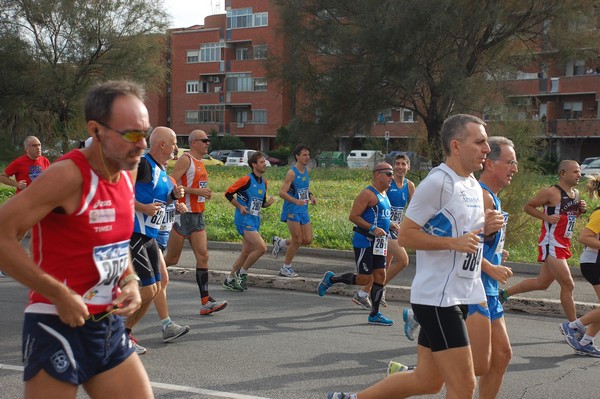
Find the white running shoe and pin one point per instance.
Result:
(174, 331)
(287, 271)
(276, 247)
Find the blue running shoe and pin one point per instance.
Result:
(341, 395)
(570, 332)
(380, 320)
(588, 350)
(410, 323)
(325, 284)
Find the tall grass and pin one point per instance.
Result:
(335, 190)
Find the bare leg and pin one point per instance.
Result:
(147, 293)
(160, 301)
(127, 380)
(560, 270)
(489, 383)
(479, 328)
(199, 245)
(253, 247)
(541, 282)
(174, 248)
(44, 386)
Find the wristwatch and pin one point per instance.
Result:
(124, 281)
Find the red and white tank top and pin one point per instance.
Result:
(559, 234)
(88, 250)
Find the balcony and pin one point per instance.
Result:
(573, 128)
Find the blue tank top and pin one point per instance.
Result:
(167, 222)
(298, 189)
(398, 199)
(379, 215)
(492, 250)
(252, 199)
(154, 188)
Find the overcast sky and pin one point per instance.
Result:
(185, 13)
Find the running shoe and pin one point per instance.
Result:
(174, 331)
(139, 349)
(232, 285)
(380, 320)
(276, 247)
(212, 306)
(364, 302)
(2, 275)
(502, 296)
(383, 302)
(410, 323)
(341, 395)
(587, 350)
(287, 271)
(396, 367)
(570, 332)
(242, 280)
(325, 284)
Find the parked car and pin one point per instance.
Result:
(364, 158)
(221, 155)
(331, 159)
(240, 158)
(276, 161)
(210, 161)
(592, 168)
(587, 161)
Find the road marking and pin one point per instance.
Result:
(170, 387)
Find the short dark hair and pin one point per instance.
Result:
(252, 159)
(99, 101)
(298, 149)
(402, 156)
(454, 129)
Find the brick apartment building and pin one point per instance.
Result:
(217, 83)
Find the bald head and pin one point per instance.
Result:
(161, 134)
(196, 135)
(382, 165)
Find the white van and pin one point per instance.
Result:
(240, 158)
(366, 159)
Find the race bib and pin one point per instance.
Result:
(156, 220)
(396, 214)
(111, 261)
(168, 219)
(255, 207)
(202, 184)
(471, 262)
(502, 233)
(303, 194)
(380, 245)
(571, 219)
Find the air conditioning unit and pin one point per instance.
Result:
(216, 79)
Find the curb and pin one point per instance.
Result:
(544, 307)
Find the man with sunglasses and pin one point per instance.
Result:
(80, 274)
(189, 172)
(153, 192)
(370, 214)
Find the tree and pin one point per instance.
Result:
(350, 59)
(54, 50)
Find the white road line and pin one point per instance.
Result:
(171, 387)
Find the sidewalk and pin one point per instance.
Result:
(312, 263)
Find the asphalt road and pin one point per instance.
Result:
(284, 344)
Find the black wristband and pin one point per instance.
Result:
(173, 197)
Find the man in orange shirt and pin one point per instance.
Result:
(189, 172)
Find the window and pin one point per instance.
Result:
(241, 54)
(259, 116)
(244, 18)
(210, 114)
(240, 18)
(203, 87)
(260, 84)
(191, 87)
(239, 82)
(191, 117)
(572, 110)
(261, 19)
(407, 115)
(192, 56)
(260, 52)
(211, 52)
(241, 116)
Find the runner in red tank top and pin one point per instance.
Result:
(561, 207)
(80, 276)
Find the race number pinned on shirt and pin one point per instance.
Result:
(303, 195)
(396, 214)
(470, 263)
(571, 219)
(202, 184)
(156, 220)
(380, 245)
(111, 261)
(255, 207)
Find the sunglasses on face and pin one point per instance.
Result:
(386, 172)
(205, 141)
(132, 136)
